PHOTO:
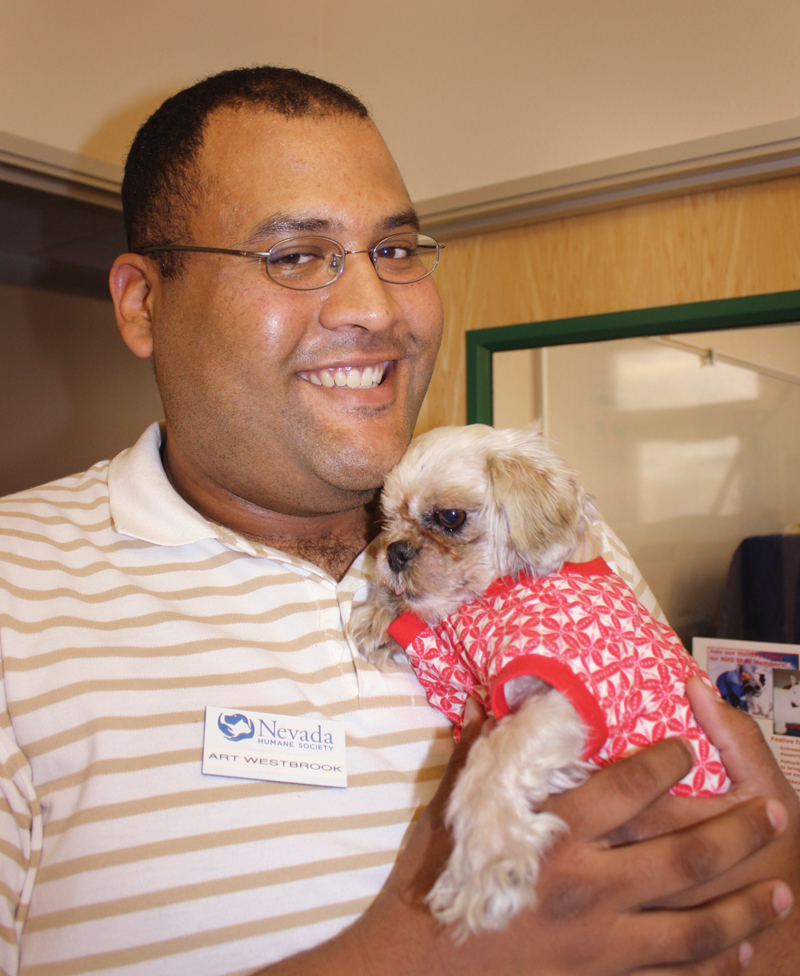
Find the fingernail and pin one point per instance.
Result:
(746, 954)
(708, 690)
(782, 899)
(776, 813)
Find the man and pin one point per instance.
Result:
(738, 685)
(215, 564)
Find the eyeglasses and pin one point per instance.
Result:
(306, 263)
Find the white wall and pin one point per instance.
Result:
(468, 92)
(685, 460)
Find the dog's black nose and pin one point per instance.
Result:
(399, 555)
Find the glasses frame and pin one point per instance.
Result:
(265, 255)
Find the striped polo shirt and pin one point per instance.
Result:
(123, 614)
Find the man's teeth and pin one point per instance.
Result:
(353, 377)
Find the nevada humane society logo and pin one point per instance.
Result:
(280, 748)
(236, 727)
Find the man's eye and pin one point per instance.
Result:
(395, 253)
(292, 259)
(450, 518)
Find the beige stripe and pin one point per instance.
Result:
(216, 840)
(184, 593)
(106, 767)
(258, 676)
(161, 652)
(209, 889)
(175, 801)
(135, 623)
(116, 723)
(199, 940)
(109, 723)
(79, 486)
(151, 569)
(12, 897)
(390, 739)
(100, 501)
(8, 936)
(22, 820)
(12, 853)
(56, 520)
(73, 545)
(15, 762)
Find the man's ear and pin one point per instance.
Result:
(132, 281)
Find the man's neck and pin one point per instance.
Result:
(329, 540)
(332, 552)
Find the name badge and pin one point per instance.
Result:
(278, 748)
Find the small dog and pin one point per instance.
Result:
(472, 583)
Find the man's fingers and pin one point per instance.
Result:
(698, 937)
(617, 794)
(743, 749)
(672, 863)
(730, 963)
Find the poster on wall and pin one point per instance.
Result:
(763, 680)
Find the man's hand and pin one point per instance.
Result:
(754, 773)
(590, 918)
(593, 917)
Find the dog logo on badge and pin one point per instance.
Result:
(236, 727)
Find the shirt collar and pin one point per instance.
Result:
(145, 506)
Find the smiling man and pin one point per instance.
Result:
(278, 280)
(259, 379)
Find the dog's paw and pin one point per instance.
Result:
(367, 629)
(484, 889)
(489, 901)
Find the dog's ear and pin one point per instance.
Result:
(540, 501)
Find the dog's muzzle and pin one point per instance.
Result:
(399, 555)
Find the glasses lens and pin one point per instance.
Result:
(405, 257)
(305, 262)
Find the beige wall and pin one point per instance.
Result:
(739, 241)
(468, 94)
(70, 392)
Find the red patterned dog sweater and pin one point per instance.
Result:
(583, 631)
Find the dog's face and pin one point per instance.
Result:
(467, 505)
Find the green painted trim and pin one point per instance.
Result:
(724, 313)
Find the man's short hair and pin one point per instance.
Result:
(160, 189)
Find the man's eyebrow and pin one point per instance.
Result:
(402, 219)
(288, 224)
(279, 224)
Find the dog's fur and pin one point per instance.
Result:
(519, 508)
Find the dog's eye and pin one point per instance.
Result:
(450, 518)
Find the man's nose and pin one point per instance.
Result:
(358, 298)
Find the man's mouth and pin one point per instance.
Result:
(352, 377)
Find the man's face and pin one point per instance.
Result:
(239, 358)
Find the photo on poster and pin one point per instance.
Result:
(786, 702)
(762, 679)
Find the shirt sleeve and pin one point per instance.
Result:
(621, 561)
(20, 843)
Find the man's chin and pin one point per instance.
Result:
(359, 460)
(358, 472)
